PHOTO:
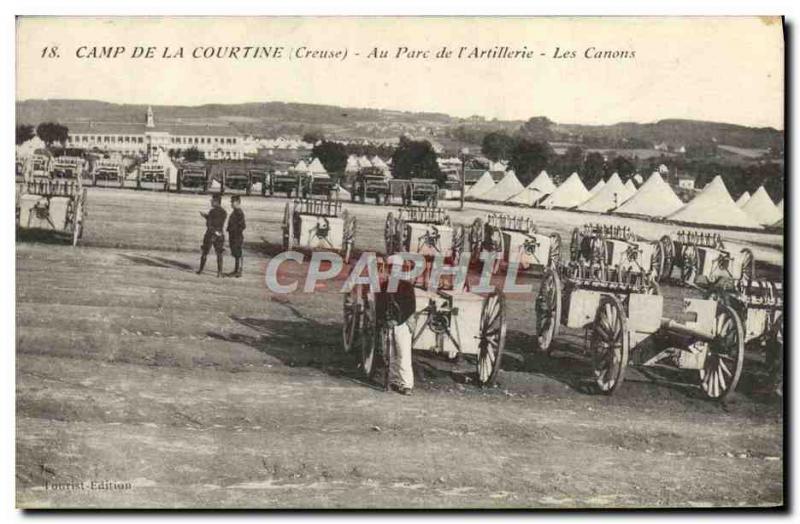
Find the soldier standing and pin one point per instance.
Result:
(215, 236)
(236, 228)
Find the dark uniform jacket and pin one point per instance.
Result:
(236, 223)
(215, 220)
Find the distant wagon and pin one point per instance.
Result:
(52, 204)
(514, 239)
(618, 249)
(67, 167)
(152, 175)
(108, 173)
(423, 230)
(286, 182)
(705, 257)
(312, 224)
(370, 183)
(419, 190)
(192, 176)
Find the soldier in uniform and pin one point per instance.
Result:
(236, 228)
(215, 236)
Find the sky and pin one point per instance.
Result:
(717, 69)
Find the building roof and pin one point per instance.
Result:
(715, 207)
(126, 128)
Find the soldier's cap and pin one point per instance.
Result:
(236, 198)
(216, 198)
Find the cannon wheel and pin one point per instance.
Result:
(390, 233)
(458, 243)
(476, 240)
(555, 250)
(287, 227)
(748, 264)
(657, 261)
(725, 356)
(492, 338)
(668, 249)
(548, 310)
(575, 245)
(690, 263)
(353, 312)
(609, 344)
(367, 335)
(349, 236)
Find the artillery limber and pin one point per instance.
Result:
(371, 183)
(617, 249)
(192, 176)
(238, 180)
(319, 224)
(152, 175)
(514, 240)
(705, 258)
(420, 190)
(56, 205)
(68, 167)
(623, 325)
(423, 230)
(446, 322)
(39, 167)
(284, 182)
(108, 173)
(311, 185)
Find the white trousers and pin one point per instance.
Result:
(401, 373)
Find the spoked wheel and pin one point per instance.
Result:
(492, 338)
(476, 240)
(690, 262)
(548, 310)
(353, 311)
(555, 251)
(668, 249)
(575, 245)
(288, 227)
(748, 264)
(390, 233)
(348, 236)
(725, 355)
(609, 344)
(459, 237)
(657, 261)
(367, 336)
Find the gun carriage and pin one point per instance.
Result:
(57, 205)
(444, 322)
(319, 224)
(423, 230)
(108, 173)
(623, 325)
(606, 246)
(514, 239)
(371, 183)
(704, 257)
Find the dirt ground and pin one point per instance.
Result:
(191, 391)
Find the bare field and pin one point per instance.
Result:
(206, 392)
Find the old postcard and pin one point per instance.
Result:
(372, 262)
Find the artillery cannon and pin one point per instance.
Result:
(319, 224)
(619, 249)
(623, 325)
(699, 254)
(57, 205)
(423, 230)
(443, 322)
(514, 239)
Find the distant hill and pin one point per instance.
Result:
(274, 118)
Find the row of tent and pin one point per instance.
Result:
(354, 163)
(654, 199)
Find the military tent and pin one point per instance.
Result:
(484, 184)
(527, 197)
(654, 199)
(542, 183)
(568, 195)
(317, 170)
(508, 186)
(597, 187)
(612, 195)
(630, 186)
(352, 164)
(761, 208)
(714, 207)
(743, 198)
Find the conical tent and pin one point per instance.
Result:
(714, 207)
(569, 194)
(613, 194)
(301, 166)
(761, 208)
(317, 170)
(363, 161)
(508, 186)
(598, 186)
(654, 199)
(542, 183)
(526, 197)
(352, 164)
(484, 184)
(743, 198)
(630, 186)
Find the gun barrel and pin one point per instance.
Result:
(676, 328)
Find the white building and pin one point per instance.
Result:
(215, 141)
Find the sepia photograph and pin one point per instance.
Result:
(452, 262)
